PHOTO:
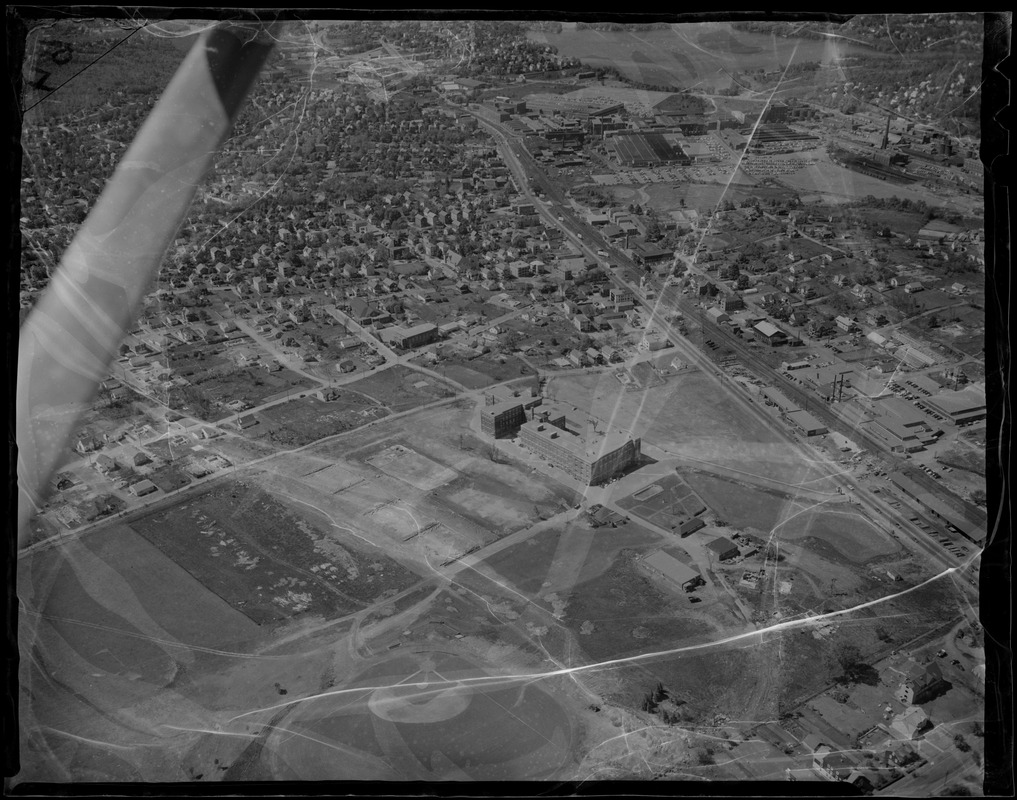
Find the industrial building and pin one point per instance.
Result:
(806, 423)
(723, 548)
(587, 455)
(682, 575)
(769, 333)
(960, 407)
(551, 104)
(647, 150)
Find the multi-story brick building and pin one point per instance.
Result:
(582, 452)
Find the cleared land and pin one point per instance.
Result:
(401, 388)
(265, 560)
(308, 419)
(689, 419)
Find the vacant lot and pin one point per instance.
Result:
(586, 552)
(264, 559)
(621, 614)
(689, 418)
(308, 419)
(401, 388)
(850, 534)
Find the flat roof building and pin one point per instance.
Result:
(807, 423)
(583, 453)
(674, 570)
(502, 419)
(723, 548)
(408, 338)
(970, 523)
(965, 405)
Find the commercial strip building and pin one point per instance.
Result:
(408, 338)
(970, 523)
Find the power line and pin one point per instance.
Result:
(76, 74)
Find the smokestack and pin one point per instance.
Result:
(886, 134)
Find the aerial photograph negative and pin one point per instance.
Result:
(539, 402)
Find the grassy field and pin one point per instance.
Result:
(851, 535)
(688, 418)
(308, 419)
(125, 608)
(265, 560)
(401, 388)
(588, 552)
(621, 614)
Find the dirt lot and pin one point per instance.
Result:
(401, 388)
(266, 561)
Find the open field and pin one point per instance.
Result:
(308, 419)
(850, 534)
(264, 559)
(124, 608)
(429, 715)
(688, 419)
(401, 388)
(622, 613)
(407, 465)
(827, 182)
(586, 551)
(491, 368)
